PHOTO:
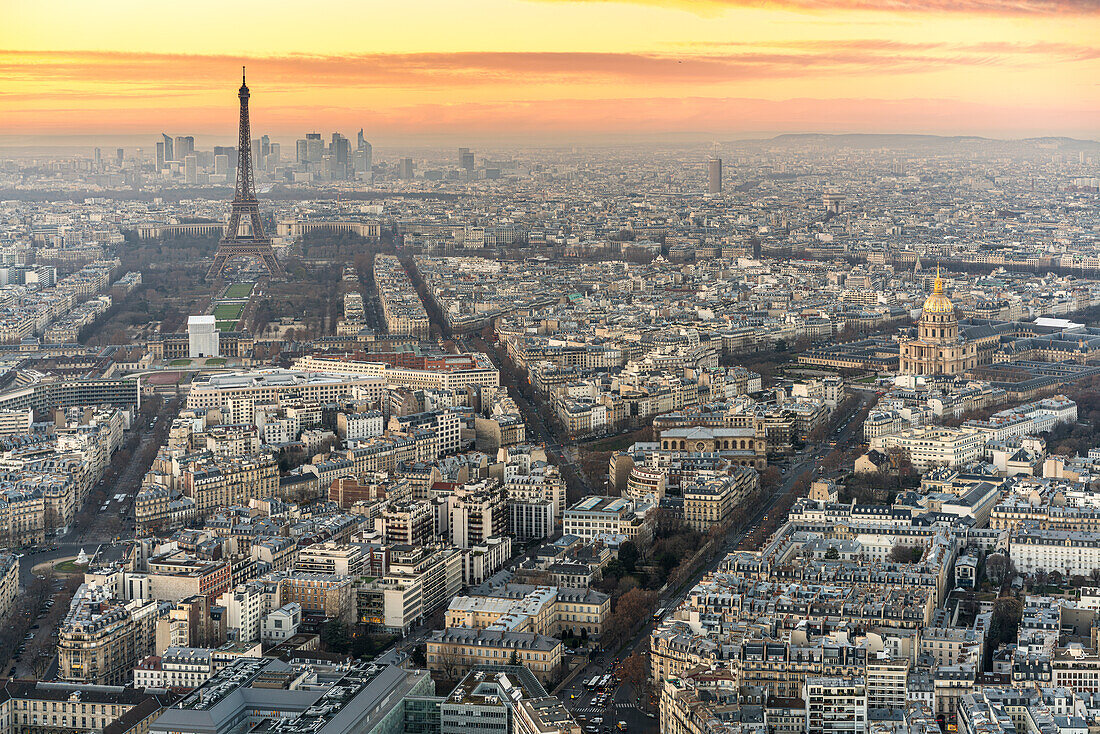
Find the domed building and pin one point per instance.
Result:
(938, 348)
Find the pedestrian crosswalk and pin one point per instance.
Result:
(610, 708)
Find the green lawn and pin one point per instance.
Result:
(239, 290)
(215, 361)
(227, 326)
(69, 567)
(228, 311)
(180, 362)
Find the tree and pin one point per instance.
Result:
(41, 660)
(334, 636)
(628, 556)
(633, 606)
(902, 553)
(996, 568)
(449, 663)
(50, 520)
(832, 554)
(1005, 621)
(635, 671)
(770, 477)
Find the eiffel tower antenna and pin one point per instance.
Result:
(256, 244)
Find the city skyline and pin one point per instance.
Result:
(553, 69)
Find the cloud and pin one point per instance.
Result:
(60, 92)
(973, 7)
(57, 73)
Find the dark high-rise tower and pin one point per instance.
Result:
(714, 175)
(254, 243)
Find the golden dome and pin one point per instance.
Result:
(938, 302)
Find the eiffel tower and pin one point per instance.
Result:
(254, 243)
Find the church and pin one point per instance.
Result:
(938, 349)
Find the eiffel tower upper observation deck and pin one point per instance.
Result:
(254, 242)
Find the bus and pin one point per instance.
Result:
(590, 684)
(605, 681)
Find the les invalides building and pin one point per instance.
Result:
(938, 348)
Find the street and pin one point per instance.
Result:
(107, 515)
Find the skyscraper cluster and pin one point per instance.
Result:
(335, 161)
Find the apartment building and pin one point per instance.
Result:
(276, 385)
(27, 706)
(189, 667)
(437, 568)
(102, 639)
(329, 595)
(887, 682)
(545, 610)
(933, 446)
(835, 705)
(419, 581)
(608, 518)
(401, 306)
(456, 650)
(331, 559)
(245, 606)
(1076, 668)
(220, 482)
(176, 575)
(1070, 552)
(689, 701)
(711, 501)
(477, 512)
(407, 523)
(9, 583)
(279, 625)
(503, 699)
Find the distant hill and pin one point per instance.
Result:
(876, 140)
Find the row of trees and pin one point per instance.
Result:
(41, 652)
(338, 637)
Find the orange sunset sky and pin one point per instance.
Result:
(438, 68)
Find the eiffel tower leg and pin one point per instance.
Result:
(217, 266)
(273, 268)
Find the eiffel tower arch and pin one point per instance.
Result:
(252, 242)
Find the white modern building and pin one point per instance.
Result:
(835, 705)
(244, 611)
(202, 336)
(282, 624)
